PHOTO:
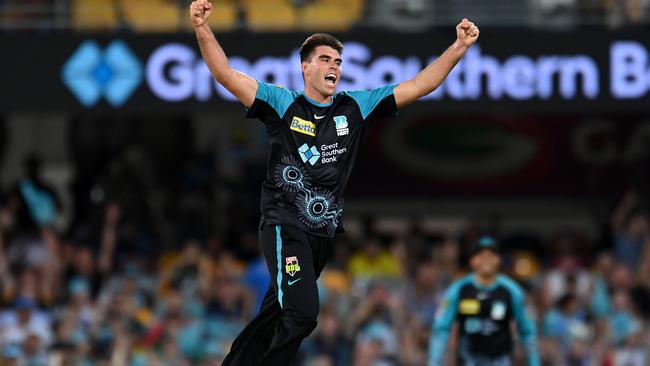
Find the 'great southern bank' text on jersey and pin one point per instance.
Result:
(484, 315)
(313, 149)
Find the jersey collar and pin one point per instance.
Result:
(483, 287)
(315, 102)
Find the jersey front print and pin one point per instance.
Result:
(313, 150)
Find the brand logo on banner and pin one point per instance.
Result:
(92, 73)
(175, 72)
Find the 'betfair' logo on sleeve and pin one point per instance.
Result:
(303, 126)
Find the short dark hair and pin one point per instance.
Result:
(318, 39)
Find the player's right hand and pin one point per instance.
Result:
(467, 32)
(200, 11)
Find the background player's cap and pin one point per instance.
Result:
(486, 242)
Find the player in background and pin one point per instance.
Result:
(314, 139)
(484, 303)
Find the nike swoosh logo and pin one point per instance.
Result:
(318, 117)
(294, 281)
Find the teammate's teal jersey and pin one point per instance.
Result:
(484, 315)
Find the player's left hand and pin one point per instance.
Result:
(467, 32)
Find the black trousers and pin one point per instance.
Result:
(288, 313)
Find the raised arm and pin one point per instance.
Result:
(627, 204)
(239, 84)
(109, 237)
(433, 75)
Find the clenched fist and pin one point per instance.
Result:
(467, 32)
(200, 11)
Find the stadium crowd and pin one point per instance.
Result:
(113, 290)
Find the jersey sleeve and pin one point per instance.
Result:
(525, 325)
(442, 325)
(271, 102)
(375, 103)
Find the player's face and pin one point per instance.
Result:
(486, 263)
(323, 71)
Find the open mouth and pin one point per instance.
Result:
(330, 78)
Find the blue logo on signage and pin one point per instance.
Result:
(92, 73)
(310, 154)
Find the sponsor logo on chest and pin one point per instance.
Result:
(498, 311)
(326, 154)
(469, 307)
(341, 125)
(303, 126)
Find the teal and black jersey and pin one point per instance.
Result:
(484, 316)
(313, 149)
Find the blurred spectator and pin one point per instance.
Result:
(373, 261)
(11, 355)
(257, 279)
(423, 294)
(34, 353)
(600, 299)
(641, 292)
(566, 322)
(25, 321)
(228, 300)
(447, 257)
(34, 201)
(568, 274)
(328, 345)
(631, 230)
(622, 321)
(181, 273)
(375, 321)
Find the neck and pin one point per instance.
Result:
(485, 280)
(316, 96)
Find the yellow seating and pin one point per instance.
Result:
(261, 15)
(93, 14)
(270, 15)
(151, 15)
(351, 6)
(330, 15)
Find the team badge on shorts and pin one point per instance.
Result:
(291, 266)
